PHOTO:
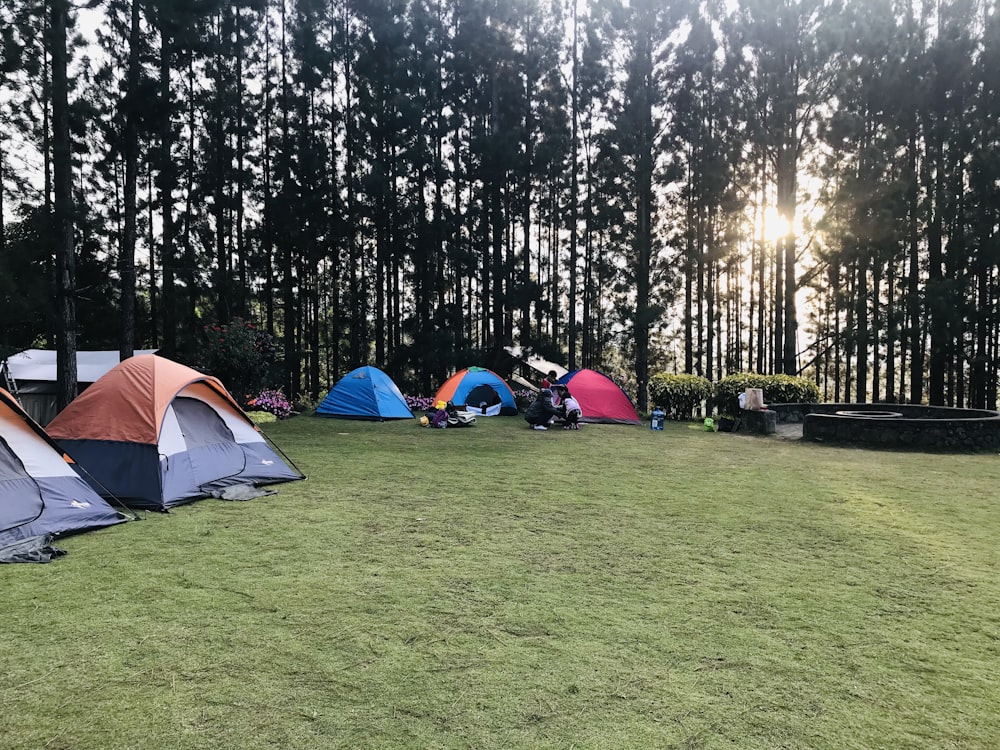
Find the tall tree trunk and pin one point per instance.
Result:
(838, 347)
(333, 306)
(573, 204)
(285, 225)
(689, 264)
(3, 225)
(188, 267)
(786, 176)
(239, 300)
(891, 332)
(589, 290)
(62, 165)
(935, 279)
(223, 311)
(916, 338)
(267, 168)
(354, 272)
(315, 300)
(167, 180)
(154, 298)
(493, 308)
(126, 258)
(762, 337)
(777, 312)
(710, 291)
(978, 384)
(861, 323)
(383, 252)
(644, 215)
(703, 294)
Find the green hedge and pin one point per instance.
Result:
(778, 389)
(678, 395)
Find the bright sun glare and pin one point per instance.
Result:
(773, 226)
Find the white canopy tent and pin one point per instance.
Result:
(535, 362)
(31, 376)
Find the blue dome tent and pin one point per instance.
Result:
(365, 393)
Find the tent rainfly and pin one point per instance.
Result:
(157, 434)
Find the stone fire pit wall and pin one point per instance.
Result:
(917, 427)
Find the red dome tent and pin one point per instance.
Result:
(601, 400)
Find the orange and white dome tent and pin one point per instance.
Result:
(480, 391)
(156, 433)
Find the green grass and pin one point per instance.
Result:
(262, 417)
(496, 587)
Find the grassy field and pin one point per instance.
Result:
(496, 587)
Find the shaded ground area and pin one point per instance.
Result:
(789, 430)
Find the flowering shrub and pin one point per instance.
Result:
(239, 354)
(419, 403)
(273, 402)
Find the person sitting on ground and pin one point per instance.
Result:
(549, 380)
(541, 412)
(571, 411)
(440, 418)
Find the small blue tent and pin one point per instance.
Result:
(365, 393)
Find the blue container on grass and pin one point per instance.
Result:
(656, 419)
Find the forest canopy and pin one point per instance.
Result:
(808, 187)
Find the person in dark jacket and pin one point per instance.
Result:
(541, 411)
